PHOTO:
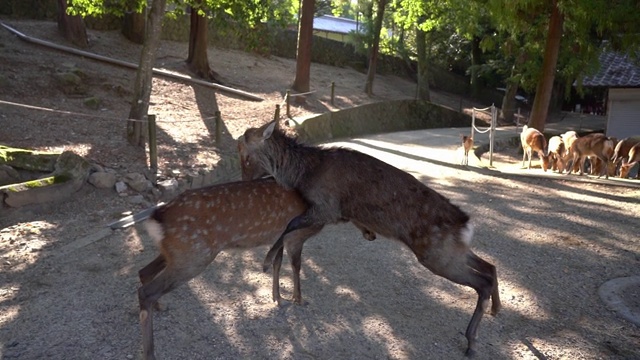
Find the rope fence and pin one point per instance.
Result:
(493, 111)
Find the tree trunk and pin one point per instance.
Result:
(302, 82)
(144, 75)
(373, 53)
(423, 79)
(133, 27)
(541, 102)
(513, 82)
(72, 27)
(198, 59)
(509, 102)
(476, 53)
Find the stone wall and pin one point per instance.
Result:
(399, 115)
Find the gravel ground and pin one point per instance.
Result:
(554, 243)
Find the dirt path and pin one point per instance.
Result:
(554, 244)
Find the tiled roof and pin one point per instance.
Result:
(616, 70)
(335, 24)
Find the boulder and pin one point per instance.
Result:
(69, 174)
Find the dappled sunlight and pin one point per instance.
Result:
(377, 328)
(344, 291)
(9, 312)
(22, 244)
(133, 244)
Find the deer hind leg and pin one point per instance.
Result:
(152, 270)
(179, 268)
(486, 268)
(275, 286)
(293, 243)
(604, 168)
(301, 221)
(148, 295)
(455, 267)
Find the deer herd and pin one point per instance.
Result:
(315, 186)
(570, 152)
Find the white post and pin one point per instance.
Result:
(491, 133)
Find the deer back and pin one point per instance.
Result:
(393, 203)
(533, 139)
(242, 214)
(623, 146)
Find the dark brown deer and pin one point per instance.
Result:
(467, 145)
(595, 144)
(533, 140)
(341, 184)
(198, 224)
(633, 158)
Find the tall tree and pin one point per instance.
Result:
(423, 79)
(540, 107)
(198, 58)
(144, 75)
(302, 81)
(71, 26)
(375, 45)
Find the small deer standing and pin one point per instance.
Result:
(341, 184)
(467, 145)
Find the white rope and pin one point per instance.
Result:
(70, 113)
(485, 109)
(479, 131)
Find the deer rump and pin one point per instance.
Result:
(341, 184)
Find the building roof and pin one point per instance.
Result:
(334, 24)
(616, 70)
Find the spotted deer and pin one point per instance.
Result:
(193, 228)
(341, 184)
(533, 140)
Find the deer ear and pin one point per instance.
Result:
(268, 131)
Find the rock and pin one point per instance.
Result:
(8, 175)
(170, 185)
(68, 79)
(136, 199)
(92, 102)
(121, 187)
(137, 182)
(28, 159)
(102, 180)
(71, 172)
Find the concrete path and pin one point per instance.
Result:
(443, 147)
(413, 151)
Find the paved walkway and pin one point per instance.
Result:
(443, 147)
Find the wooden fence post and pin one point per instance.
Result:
(218, 118)
(153, 145)
(288, 96)
(333, 91)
